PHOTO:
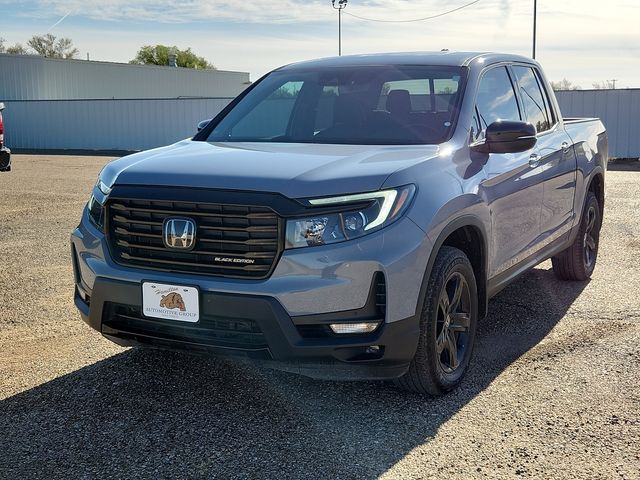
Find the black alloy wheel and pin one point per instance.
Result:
(578, 261)
(454, 321)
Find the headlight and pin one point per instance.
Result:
(96, 212)
(103, 187)
(381, 208)
(97, 200)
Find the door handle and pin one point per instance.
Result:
(534, 160)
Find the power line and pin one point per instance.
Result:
(413, 20)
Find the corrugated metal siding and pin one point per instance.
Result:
(618, 109)
(29, 77)
(105, 124)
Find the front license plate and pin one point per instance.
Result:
(172, 302)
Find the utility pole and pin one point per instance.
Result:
(535, 15)
(613, 81)
(339, 5)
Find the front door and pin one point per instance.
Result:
(513, 184)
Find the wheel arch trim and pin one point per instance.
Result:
(462, 221)
(596, 172)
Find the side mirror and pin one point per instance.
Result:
(1, 106)
(507, 137)
(203, 124)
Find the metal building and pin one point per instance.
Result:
(54, 104)
(31, 77)
(619, 110)
(125, 125)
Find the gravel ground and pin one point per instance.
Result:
(553, 392)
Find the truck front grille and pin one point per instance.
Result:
(231, 240)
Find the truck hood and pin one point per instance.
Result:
(294, 170)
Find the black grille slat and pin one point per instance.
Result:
(251, 241)
(254, 267)
(252, 255)
(187, 328)
(209, 330)
(235, 233)
(240, 229)
(121, 219)
(130, 233)
(173, 213)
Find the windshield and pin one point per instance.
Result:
(388, 105)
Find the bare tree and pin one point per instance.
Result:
(565, 84)
(49, 45)
(603, 85)
(16, 49)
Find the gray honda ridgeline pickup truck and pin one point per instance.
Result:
(346, 218)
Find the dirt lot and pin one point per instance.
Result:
(554, 390)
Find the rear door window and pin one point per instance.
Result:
(418, 92)
(535, 105)
(445, 90)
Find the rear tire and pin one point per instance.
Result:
(447, 326)
(579, 260)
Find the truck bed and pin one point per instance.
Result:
(579, 119)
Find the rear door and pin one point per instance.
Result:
(556, 155)
(512, 187)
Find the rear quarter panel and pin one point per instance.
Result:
(591, 145)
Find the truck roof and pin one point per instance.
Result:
(443, 58)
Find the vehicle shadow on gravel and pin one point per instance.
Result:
(160, 414)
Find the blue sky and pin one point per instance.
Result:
(582, 40)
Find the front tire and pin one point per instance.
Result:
(447, 326)
(579, 260)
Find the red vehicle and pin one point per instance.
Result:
(5, 153)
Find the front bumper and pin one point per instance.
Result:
(312, 286)
(256, 327)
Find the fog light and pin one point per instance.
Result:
(361, 327)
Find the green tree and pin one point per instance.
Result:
(159, 55)
(49, 45)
